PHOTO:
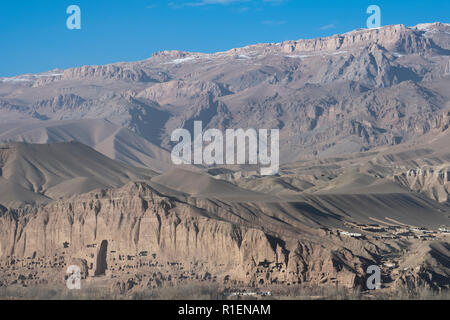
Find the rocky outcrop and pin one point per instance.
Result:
(443, 121)
(432, 181)
(65, 102)
(102, 227)
(177, 90)
(108, 72)
(431, 271)
(394, 37)
(138, 236)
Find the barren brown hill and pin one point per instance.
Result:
(113, 141)
(34, 173)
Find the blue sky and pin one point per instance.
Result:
(34, 37)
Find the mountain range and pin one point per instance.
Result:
(86, 176)
(328, 96)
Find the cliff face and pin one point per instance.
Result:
(443, 120)
(432, 181)
(139, 237)
(393, 37)
(107, 72)
(101, 227)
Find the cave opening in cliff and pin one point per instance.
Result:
(101, 259)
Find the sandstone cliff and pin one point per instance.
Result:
(152, 239)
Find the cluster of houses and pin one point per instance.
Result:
(392, 232)
(244, 293)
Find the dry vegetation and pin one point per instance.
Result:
(214, 292)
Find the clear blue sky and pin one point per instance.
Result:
(34, 37)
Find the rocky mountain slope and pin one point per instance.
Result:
(364, 130)
(329, 96)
